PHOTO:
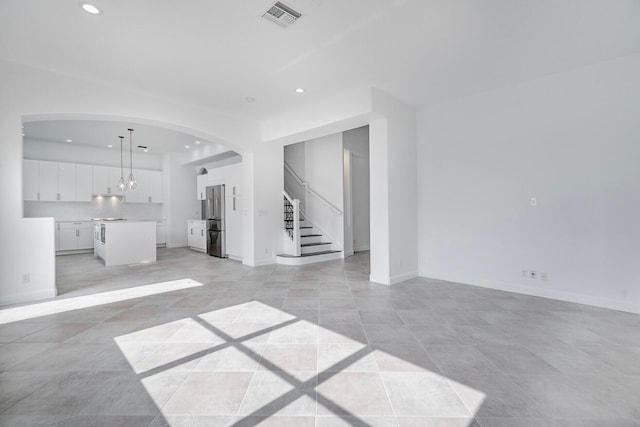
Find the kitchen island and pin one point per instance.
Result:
(125, 242)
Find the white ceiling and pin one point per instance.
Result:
(104, 133)
(216, 53)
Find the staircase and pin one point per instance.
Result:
(304, 243)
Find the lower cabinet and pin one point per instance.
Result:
(196, 235)
(74, 236)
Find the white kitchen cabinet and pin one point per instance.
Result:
(48, 181)
(154, 183)
(148, 189)
(73, 236)
(30, 179)
(105, 180)
(67, 239)
(101, 180)
(196, 235)
(202, 181)
(85, 237)
(66, 182)
(84, 183)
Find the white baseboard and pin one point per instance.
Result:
(177, 245)
(398, 278)
(28, 296)
(261, 262)
(361, 248)
(538, 292)
(234, 258)
(383, 280)
(404, 276)
(309, 259)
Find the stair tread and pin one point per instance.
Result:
(311, 235)
(305, 226)
(307, 255)
(305, 245)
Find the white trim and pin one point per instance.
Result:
(538, 292)
(309, 259)
(383, 280)
(262, 262)
(398, 278)
(177, 245)
(392, 280)
(28, 297)
(234, 258)
(361, 249)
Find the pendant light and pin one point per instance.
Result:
(121, 184)
(132, 181)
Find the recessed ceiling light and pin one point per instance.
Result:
(89, 8)
(110, 146)
(69, 140)
(186, 146)
(250, 99)
(197, 142)
(23, 134)
(299, 90)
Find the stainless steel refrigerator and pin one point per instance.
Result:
(213, 211)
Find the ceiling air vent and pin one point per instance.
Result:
(281, 14)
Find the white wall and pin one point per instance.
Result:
(263, 204)
(572, 141)
(392, 151)
(231, 177)
(295, 157)
(180, 204)
(357, 142)
(323, 174)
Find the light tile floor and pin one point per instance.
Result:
(198, 341)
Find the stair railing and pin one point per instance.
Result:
(291, 225)
(309, 190)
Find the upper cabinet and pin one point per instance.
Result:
(202, 186)
(48, 181)
(105, 179)
(84, 183)
(69, 182)
(148, 189)
(66, 182)
(54, 181)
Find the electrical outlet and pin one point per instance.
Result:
(544, 276)
(524, 273)
(26, 278)
(533, 275)
(533, 201)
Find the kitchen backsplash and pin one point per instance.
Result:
(106, 207)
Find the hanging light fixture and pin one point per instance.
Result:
(132, 181)
(121, 184)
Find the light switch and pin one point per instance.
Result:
(534, 202)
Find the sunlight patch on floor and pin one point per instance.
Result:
(62, 305)
(237, 362)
